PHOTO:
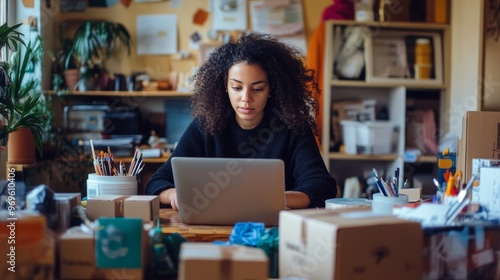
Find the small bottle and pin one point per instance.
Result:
(423, 63)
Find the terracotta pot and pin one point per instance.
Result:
(71, 76)
(21, 147)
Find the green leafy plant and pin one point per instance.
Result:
(22, 103)
(95, 41)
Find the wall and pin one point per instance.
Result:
(155, 64)
(491, 89)
(466, 63)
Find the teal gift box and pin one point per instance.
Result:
(119, 243)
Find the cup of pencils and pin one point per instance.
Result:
(389, 196)
(113, 178)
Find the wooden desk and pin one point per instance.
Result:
(170, 223)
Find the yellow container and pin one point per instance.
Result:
(423, 71)
(423, 51)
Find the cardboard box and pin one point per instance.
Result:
(77, 259)
(105, 206)
(479, 139)
(214, 262)
(65, 203)
(146, 207)
(414, 194)
(26, 245)
(76, 255)
(333, 244)
(467, 252)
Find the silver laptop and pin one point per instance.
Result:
(224, 191)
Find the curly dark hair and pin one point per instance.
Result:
(291, 83)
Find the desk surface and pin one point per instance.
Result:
(170, 223)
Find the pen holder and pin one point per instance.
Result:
(384, 204)
(114, 185)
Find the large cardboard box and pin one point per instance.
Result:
(332, 244)
(479, 139)
(214, 262)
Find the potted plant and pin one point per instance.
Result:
(22, 104)
(94, 42)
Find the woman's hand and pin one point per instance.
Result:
(296, 200)
(169, 196)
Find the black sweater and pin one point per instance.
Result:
(305, 170)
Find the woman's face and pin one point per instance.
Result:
(248, 90)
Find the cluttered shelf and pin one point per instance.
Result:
(427, 159)
(343, 156)
(165, 93)
(388, 157)
(386, 84)
(162, 159)
(395, 24)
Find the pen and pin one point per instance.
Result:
(396, 174)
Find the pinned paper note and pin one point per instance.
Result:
(200, 17)
(157, 34)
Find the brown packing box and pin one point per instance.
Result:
(65, 203)
(146, 207)
(26, 245)
(75, 199)
(333, 244)
(105, 206)
(76, 255)
(214, 262)
(480, 139)
(77, 258)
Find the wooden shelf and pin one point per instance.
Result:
(124, 93)
(394, 24)
(342, 156)
(411, 83)
(427, 159)
(145, 160)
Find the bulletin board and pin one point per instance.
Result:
(194, 19)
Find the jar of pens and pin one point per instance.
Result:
(113, 178)
(388, 195)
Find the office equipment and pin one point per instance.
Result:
(178, 118)
(223, 191)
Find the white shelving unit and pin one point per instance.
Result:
(390, 93)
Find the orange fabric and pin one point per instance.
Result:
(315, 60)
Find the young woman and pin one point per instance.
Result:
(253, 99)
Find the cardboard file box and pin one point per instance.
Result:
(214, 262)
(479, 139)
(333, 244)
